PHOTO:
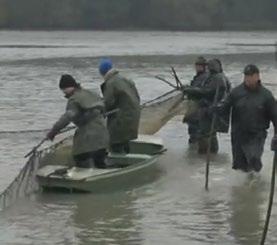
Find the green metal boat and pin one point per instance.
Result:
(123, 169)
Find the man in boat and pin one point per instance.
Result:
(213, 90)
(85, 109)
(120, 93)
(253, 108)
(198, 80)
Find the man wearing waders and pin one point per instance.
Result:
(120, 93)
(85, 109)
(214, 89)
(198, 80)
(253, 107)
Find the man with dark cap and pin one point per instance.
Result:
(213, 90)
(120, 93)
(198, 80)
(253, 108)
(85, 109)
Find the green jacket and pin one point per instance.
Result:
(85, 109)
(121, 93)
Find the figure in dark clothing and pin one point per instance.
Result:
(213, 90)
(198, 80)
(120, 93)
(84, 109)
(253, 107)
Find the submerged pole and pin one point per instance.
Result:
(212, 130)
(271, 197)
(208, 156)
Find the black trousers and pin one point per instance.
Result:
(247, 149)
(193, 130)
(91, 159)
(123, 147)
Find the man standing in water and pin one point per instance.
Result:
(198, 80)
(253, 107)
(120, 93)
(85, 109)
(214, 89)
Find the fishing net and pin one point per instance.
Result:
(25, 182)
(22, 185)
(154, 115)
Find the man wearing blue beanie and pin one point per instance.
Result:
(104, 66)
(120, 93)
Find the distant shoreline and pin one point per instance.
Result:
(141, 29)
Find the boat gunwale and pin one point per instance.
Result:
(116, 172)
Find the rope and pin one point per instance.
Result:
(69, 128)
(158, 98)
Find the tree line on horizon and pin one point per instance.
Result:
(138, 14)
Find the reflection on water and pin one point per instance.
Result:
(103, 219)
(173, 209)
(247, 216)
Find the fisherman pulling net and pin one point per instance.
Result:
(154, 115)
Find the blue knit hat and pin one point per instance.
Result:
(104, 66)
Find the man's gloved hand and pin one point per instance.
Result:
(192, 91)
(185, 120)
(51, 135)
(186, 89)
(274, 143)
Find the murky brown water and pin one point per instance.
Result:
(174, 208)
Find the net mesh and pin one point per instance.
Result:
(25, 182)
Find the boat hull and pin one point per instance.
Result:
(107, 180)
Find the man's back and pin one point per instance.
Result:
(121, 93)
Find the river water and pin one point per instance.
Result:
(174, 208)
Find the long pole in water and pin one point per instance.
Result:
(208, 155)
(271, 197)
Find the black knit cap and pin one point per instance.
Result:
(67, 81)
(251, 70)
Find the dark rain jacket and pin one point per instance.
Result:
(214, 89)
(197, 81)
(85, 109)
(121, 93)
(252, 110)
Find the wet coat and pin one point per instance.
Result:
(121, 93)
(85, 109)
(198, 82)
(192, 119)
(252, 112)
(214, 89)
(199, 79)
